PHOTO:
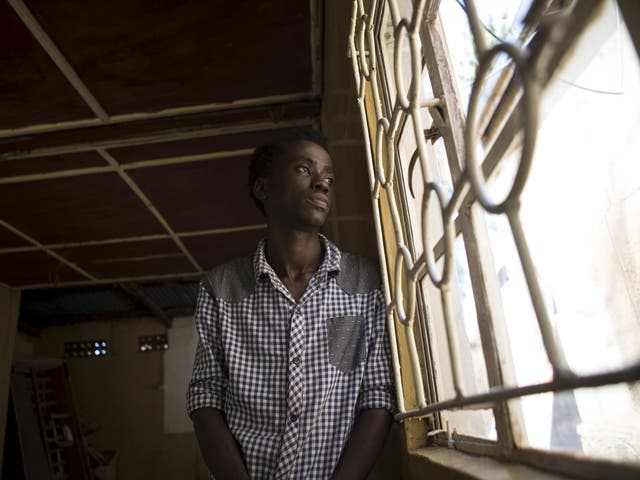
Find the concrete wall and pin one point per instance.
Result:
(123, 393)
(351, 220)
(9, 309)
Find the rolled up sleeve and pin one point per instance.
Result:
(377, 389)
(208, 383)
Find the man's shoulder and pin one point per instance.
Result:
(231, 281)
(358, 274)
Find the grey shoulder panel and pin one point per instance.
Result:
(358, 274)
(232, 281)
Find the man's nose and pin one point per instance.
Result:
(320, 183)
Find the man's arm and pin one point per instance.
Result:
(366, 440)
(218, 446)
(206, 393)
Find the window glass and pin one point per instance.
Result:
(466, 319)
(413, 180)
(464, 323)
(596, 422)
(580, 212)
(387, 40)
(501, 20)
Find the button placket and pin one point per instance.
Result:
(296, 348)
(289, 447)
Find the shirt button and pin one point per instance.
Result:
(293, 417)
(296, 361)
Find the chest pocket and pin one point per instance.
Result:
(346, 342)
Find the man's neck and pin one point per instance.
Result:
(293, 255)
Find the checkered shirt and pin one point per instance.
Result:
(291, 377)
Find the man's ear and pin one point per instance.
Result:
(260, 189)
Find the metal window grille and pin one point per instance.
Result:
(417, 43)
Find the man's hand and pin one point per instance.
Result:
(218, 446)
(364, 444)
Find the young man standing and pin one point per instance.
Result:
(292, 376)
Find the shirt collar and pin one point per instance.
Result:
(330, 261)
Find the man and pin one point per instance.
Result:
(292, 376)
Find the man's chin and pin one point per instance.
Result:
(313, 223)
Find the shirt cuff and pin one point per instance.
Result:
(201, 398)
(383, 397)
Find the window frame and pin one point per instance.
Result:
(471, 226)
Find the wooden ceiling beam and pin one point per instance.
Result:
(161, 130)
(76, 172)
(199, 109)
(142, 238)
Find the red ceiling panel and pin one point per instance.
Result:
(27, 166)
(201, 195)
(195, 146)
(32, 89)
(212, 250)
(89, 207)
(35, 267)
(9, 239)
(145, 56)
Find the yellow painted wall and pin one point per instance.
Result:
(122, 392)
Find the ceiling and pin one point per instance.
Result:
(125, 134)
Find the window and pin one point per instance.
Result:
(153, 343)
(506, 192)
(85, 348)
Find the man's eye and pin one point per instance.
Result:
(304, 170)
(330, 180)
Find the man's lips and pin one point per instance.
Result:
(320, 201)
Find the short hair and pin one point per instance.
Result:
(263, 157)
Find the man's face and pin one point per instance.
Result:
(299, 190)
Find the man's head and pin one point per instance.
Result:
(291, 179)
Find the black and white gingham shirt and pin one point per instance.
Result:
(291, 377)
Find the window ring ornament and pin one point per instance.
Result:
(403, 257)
(438, 279)
(530, 97)
(365, 67)
(382, 131)
(401, 98)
